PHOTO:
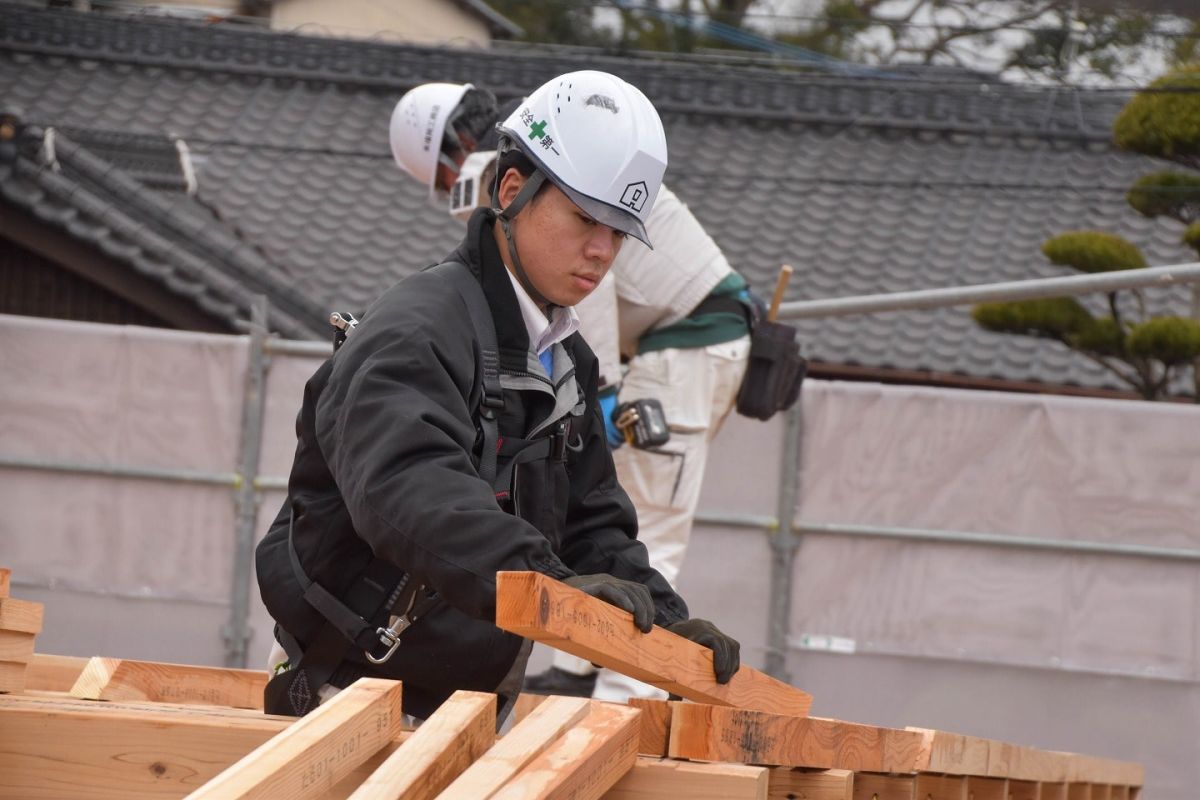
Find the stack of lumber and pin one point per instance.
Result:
(114, 728)
(20, 623)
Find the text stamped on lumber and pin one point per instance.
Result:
(540, 608)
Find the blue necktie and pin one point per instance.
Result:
(547, 359)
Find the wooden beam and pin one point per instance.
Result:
(1079, 791)
(448, 742)
(828, 784)
(718, 733)
(1024, 790)
(986, 788)
(1007, 760)
(655, 725)
(667, 779)
(5, 581)
(868, 786)
(545, 610)
(1054, 791)
(940, 787)
(50, 673)
(312, 755)
(952, 753)
(60, 747)
(16, 646)
(1089, 769)
(526, 703)
(125, 679)
(527, 739)
(585, 762)
(12, 677)
(24, 616)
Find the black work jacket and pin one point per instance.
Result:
(386, 466)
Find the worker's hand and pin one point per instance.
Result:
(726, 650)
(631, 596)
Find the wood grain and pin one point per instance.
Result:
(826, 784)
(717, 733)
(518, 747)
(454, 736)
(125, 679)
(313, 754)
(24, 616)
(585, 762)
(548, 611)
(667, 779)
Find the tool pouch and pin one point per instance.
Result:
(774, 372)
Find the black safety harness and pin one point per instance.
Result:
(381, 586)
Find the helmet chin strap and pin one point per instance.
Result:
(506, 215)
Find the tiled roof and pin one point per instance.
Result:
(166, 236)
(864, 184)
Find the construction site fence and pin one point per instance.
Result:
(892, 548)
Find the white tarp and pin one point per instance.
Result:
(1044, 647)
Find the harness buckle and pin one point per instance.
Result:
(390, 637)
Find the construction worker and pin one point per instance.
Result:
(435, 126)
(457, 433)
(677, 316)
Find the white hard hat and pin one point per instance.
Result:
(600, 141)
(418, 125)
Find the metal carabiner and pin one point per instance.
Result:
(390, 636)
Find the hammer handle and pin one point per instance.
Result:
(785, 274)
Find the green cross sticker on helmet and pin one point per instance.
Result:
(600, 141)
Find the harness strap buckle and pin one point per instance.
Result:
(390, 638)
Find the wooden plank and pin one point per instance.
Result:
(1101, 791)
(16, 646)
(952, 753)
(545, 610)
(527, 739)
(941, 787)
(24, 616)
(125, 679)
(585, 762)
(1079, 791)
(50, 673)
(448, 742)
(667, 779)
(1090, 769)
(1119, 793)
(786, 783)
(53, 748)
(882, 787)
(1024, 790)
(718, 733)
(986, 788)
(525, 705)
(316, 752)
(1054, 791)
(5, 581)
(656, 725)
(12, 676)
(1006, 760)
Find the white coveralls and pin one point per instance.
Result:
(647, 290)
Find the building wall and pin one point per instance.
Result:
(412, 21)
(34, 286)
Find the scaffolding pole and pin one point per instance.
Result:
(992, 292)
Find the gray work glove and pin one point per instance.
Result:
(726, 650)
(633, 597)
